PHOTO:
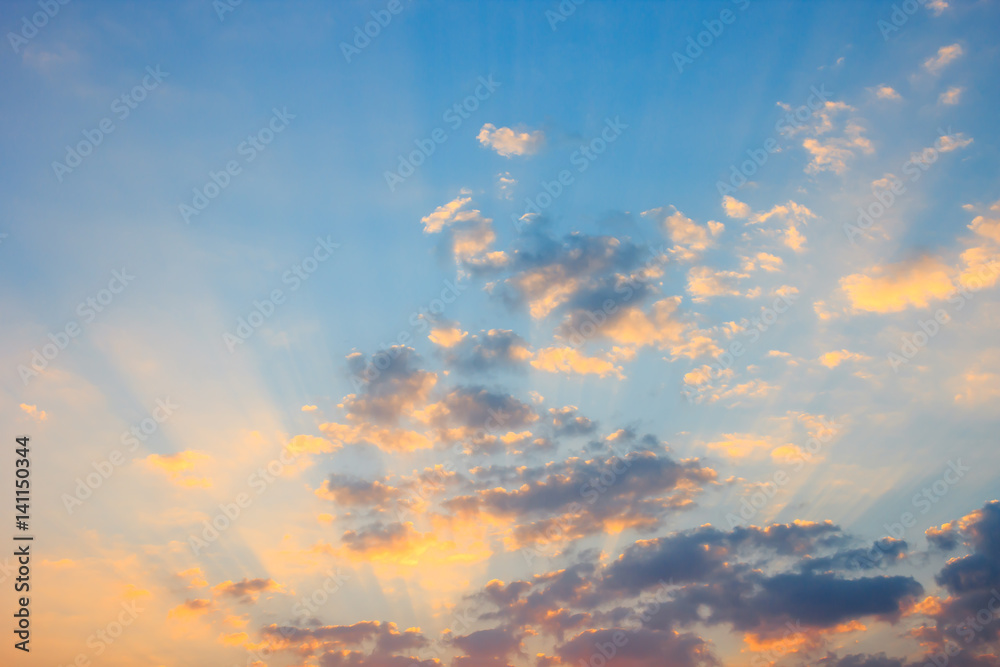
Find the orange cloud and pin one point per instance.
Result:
(33, 412)
(507, 142)
(900, 286)
(191, 609)
(311, 444)
(944, 56)
(835, 358)
(570, 360)
(739, 446)
(386, 439)
(175, 465)
(446, 336)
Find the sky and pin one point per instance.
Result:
(485, 334)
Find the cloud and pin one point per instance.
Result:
(836, 357)
(793, 215)
(486, 351)
(988, 227)
(689, 237)
(937, 6)
(829, 152)
(565, 501)
(971, 582)
(978, 388)
(392, 541)
(734, 208)
(506, 183)
(392, 392)
(739, 446)
(639, 648)
(703, 282)
(247, 590)
(33, 412)
(447, 214)
(191, 609)
(631, 327)
(174, 466)
(719, 587)
(487, 647)
(951, 96)
(468, 234)
(981, 265)
(446, 335)
(950, 142)
(508, 142)
(570, 360)
(945, 55)
(333, 644)
(884, 92)
(311, 444)
(473, 407)
(765, 261)
(833, 154)
(577, 270)
(896, 287)
(568, 421)
(351, 491)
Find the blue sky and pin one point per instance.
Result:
(399, 478)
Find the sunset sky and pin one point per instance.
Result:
(480, 334)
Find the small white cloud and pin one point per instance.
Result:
(508, 142)
(937, 6)
(506, 183)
